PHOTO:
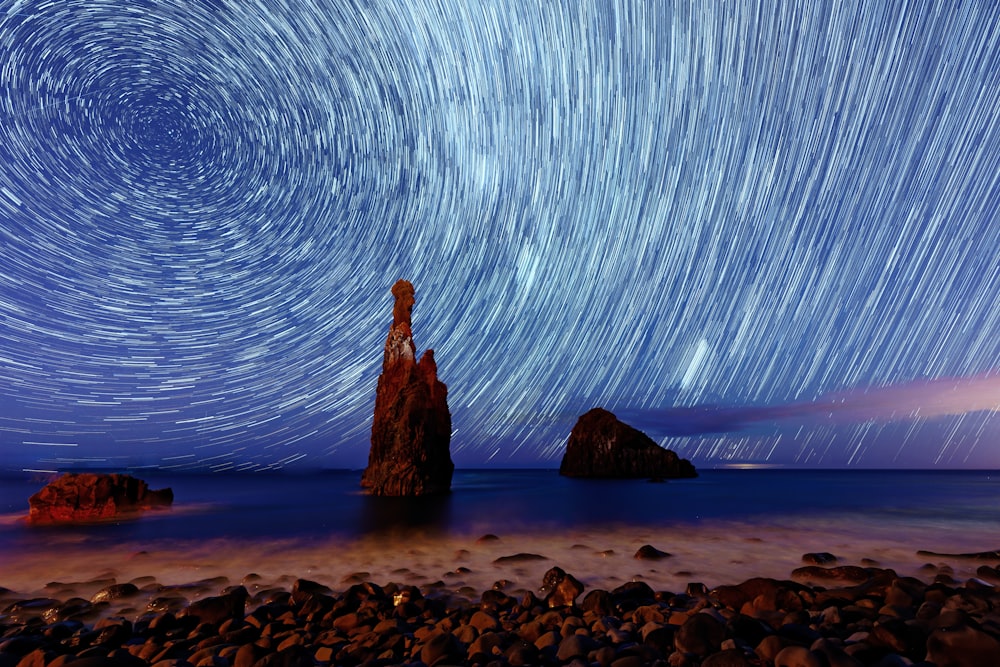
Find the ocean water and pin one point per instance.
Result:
(723, 527)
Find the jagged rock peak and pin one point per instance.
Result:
(411, 429)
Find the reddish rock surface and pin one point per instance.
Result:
(411, 431)
(602, 446)
(91, 497)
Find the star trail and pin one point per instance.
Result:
(637, 204)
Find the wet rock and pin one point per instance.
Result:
(575, 646)
(649, 552)
(219, 608)
(844, 574)
(962, 645)
(115, 592)
(632, 594)
(700, 635)
(495, 599)
(835, 655)
(819, 558)
(602, 446)
(597, 602)
(411, 429)
(519, 558)
(797, 656)
(561, 588)
(440, 647)
(728, 658)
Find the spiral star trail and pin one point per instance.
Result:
(637, 204)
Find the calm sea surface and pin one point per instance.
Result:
(721, 526)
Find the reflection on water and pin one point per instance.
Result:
(721, 528)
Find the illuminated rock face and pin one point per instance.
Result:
(602, 446)
(411, 431)
(93, 497)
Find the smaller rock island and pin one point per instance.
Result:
(601, 446)
(94, 497)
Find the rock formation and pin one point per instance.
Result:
(411, 431)
(602, 446)
(92, 497)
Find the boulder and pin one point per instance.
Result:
(561, 588)
(602, 446)
(94, 497)
(411, 430)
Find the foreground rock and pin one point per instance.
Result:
(411, 430)
(602, 446)
(888, 621)
(94, 497)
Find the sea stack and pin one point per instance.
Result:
(411, 431)
(602, 446)
(94, 497)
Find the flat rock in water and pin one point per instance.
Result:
(519, 558)
(978, 555)
(819, 558)
(850, 574)
(649, 552)
(94, 497)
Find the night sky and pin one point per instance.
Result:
(763, 232)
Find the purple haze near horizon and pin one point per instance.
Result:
(764, 234)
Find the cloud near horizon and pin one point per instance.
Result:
(918, 399)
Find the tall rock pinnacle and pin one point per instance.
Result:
(411, 431)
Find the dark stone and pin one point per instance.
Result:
(844, 574)
(519, 558)
(819, 558)
(900, 637)
(561, 588)
(575, 646)
(441, 647)
(962, 645)
(649, 552)
(94, 497)
(219, 608)
(411, 429)
(602, 446)
(597, 602)
(494, 599)
(115, 592)
(661, 639)
(632, 594)
(700, 635)
(978, 555)
(303, 590)
(728, 658)
(750, 630)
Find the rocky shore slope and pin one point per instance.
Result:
(824, 614)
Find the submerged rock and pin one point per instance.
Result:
(411, 430)
(602, 446)
(93, 497)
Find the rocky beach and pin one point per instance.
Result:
(574, 599)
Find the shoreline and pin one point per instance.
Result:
(844, 614)
(400, 599)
